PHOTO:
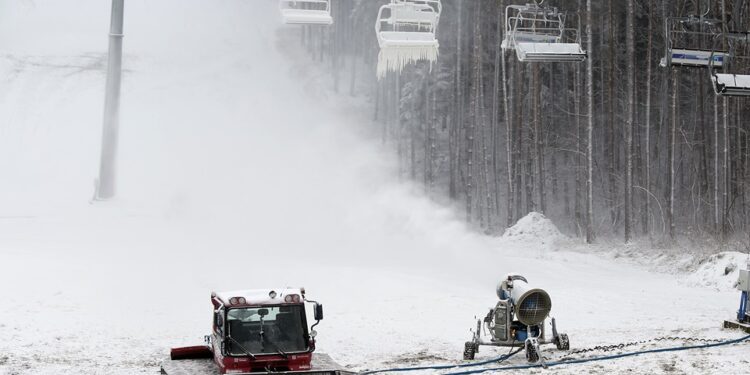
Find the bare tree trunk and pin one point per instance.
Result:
(740, 166)
(590, 129)
(716, 165)
(704, 183)
(630, 42)
(470, 157)
(387, 107)
(458, 112)
(531, 205)
(671, 146)
(518, 72)
(538, 141)
(725, 168)
(508, 129)
(496, 111)
(398, 130)
(378, 96)
(433, 142)
(427, 139)
(479, 116)
(647, 168)
(612, 148)
(725, 118)
(578, 162)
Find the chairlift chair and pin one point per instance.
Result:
(406, 33)
(538, 34)
(306, 12)
(685, 41)
(729, 83)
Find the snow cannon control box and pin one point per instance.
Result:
(743, 313)
(744, 282)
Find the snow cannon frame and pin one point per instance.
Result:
(518, 320)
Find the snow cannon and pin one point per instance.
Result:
(743, 314)
(533, 305)
(517, 320)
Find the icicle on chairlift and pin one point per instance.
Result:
(683, 37)
(538, 34)
(306, 12)
(406, 33)
(728, 83)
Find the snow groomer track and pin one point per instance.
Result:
(320, 361)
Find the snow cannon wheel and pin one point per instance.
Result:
(562, 342)
(531, 354)
(470, 349)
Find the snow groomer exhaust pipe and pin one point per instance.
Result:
(532, 305)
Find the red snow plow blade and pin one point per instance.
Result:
(191, 352)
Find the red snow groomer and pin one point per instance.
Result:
(256, 331)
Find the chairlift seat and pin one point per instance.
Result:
(389, 39)
(549, 52)
(695, 58)
(731, 84)
(538, 34)
(293, 14)
(510, 40)
(306, 17)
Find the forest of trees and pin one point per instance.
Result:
(615, 145)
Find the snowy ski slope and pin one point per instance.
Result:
(238, 169)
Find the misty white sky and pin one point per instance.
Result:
(223, 138)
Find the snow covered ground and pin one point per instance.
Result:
(239, 169)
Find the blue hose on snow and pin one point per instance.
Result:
(445, 367)
(602, 358)
(549, 364)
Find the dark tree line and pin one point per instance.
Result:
(655, 150)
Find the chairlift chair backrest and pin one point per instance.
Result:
(306, 12)
(690, 42)
(532, 23)
(406, 32)
(402, 16)
(538, 34)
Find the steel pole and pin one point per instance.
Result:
(107, 167)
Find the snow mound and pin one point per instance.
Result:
(534, 227)
(719, 271)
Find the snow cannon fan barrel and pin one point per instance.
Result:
(532, 305)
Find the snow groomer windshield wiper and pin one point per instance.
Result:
(240, 346)
(278, 349)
